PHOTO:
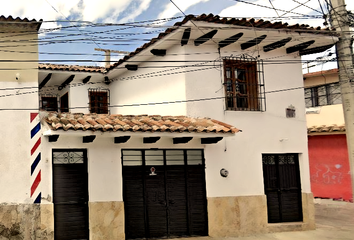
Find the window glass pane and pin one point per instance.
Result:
(321, 91)
(308, 102)
(228, 73)
(240, 74)
(153, 157)
(334, 88)
(336, 98)
(132, 158)
(229, 86)
(322, 100)
(308, 92)
(194, 157)
(174, 157)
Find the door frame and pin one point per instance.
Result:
(84, 151)
(279, 185)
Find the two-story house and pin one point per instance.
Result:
(149, 148)
(328, 152)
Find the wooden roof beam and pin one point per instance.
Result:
(66, 82)
(230, 40)
(299, 47)
(45, 81)
(253, 42)
(276, 45)
(315, 50)
(186, 36)
(86, 79)
(206, 37)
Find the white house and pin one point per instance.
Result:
(148, 147)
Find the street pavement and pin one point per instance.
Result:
(334, 221)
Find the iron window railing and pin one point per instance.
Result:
(328, 94)
(99, 100)
(244, 84)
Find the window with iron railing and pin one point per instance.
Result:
(98, 100)
(328, 94)
(244, 85)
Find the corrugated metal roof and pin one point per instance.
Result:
(20, 22)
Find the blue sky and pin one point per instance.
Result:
(80, 38)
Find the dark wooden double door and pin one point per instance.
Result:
(70, 194)
(282, 187)
(164, 193)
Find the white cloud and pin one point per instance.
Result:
(248, 10)
(143, 5)
(171, 10)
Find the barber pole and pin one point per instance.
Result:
(35, 133)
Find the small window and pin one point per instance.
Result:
(243, 89)
(49, 104)
(323, 95)
(98, 101)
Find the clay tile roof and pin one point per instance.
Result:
(260, 23)
(74, 68)
(326, 129)
(320, 73)
(19, 22)
(134, 123)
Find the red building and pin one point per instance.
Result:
(327, 145)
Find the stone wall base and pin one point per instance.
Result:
(227, 216)
(20, 221)
(247, 215)
(106, 220)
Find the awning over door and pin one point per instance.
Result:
(122, 127)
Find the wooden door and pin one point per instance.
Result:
(282, 187)
(164, 193)
(70, 194)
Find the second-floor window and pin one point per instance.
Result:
(49, 103)
(242, 88)
(328, 94)
(98, 101)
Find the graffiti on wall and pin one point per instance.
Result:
(327, 174)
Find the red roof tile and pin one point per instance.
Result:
(134, 123)
(230, 21)
(325, 129)
(320, 73)
(75, 68)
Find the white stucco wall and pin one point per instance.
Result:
(18, 98)
(262, 132)
(152, 85)
(104, 163)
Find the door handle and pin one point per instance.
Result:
(171, 202)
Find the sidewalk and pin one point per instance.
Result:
(334, 221)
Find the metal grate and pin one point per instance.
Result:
(244, 84)
(329, 94)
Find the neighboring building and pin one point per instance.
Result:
(147, 148)
(328, 153)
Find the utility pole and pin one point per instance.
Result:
(340, 21)
(108, 55)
